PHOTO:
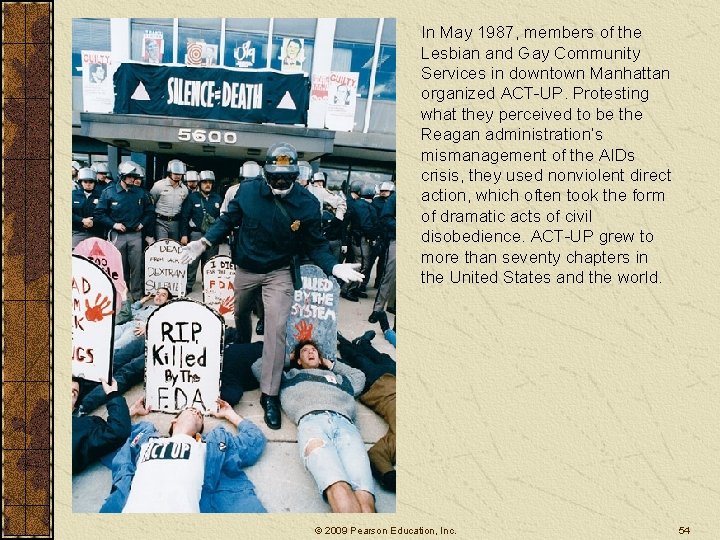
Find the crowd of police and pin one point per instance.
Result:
(359, 225)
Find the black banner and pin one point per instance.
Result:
(212, 93)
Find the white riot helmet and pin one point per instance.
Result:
(130, 168)
(305, 172)
(207, 175)
(250, 169)
(192, 176)
(387, 186)
(176, 166)
(76, 165)
(101, 168)
(319, 177)
(85, 174)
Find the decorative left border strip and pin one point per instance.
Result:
(27, 275)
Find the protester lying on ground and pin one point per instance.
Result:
(184, 472)
(378, 394)
(131, 332)
(319, 396)
(93, 437)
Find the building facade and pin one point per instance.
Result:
(346, 122)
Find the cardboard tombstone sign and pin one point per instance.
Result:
(93, 320)
(313, 314)
(218, 285)
(183, 357)
(107, 257)
(164, 269)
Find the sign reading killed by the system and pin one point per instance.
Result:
(164, 269)
(212, 93)
(313, 314)
(107, 257)
(183, 357)
(218, 288)
(93, 320)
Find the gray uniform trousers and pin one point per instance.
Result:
(277, 296)
(386, 292)
(167, 229)
(129, 245)
(79, 236)
(363, 255)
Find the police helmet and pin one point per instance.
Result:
(367, 191)
(356, 186)
(387, 186)
(207, 176)
(250, 169)
(192, 176)
(281, 166)
(76, 165)
(318, 177)
(86, 173)
(129, 168)
(101, 168)
(176, 166)
(305, 172)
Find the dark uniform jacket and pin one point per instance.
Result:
(363, 220)
(131, 208)
(267, 239)
(387, 218)
(84, 207)
(93, 437)
(194, 208)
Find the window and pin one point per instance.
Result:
(151, 40)
(246, 43)
(301, 32)
(88, 35)
(199, 42)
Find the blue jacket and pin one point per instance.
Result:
(131, 208)
(192, 210)
(83, 207)
(268, 239)
(225, 489)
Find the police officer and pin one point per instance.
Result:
(334, 208)
(75, 168)
(199, 211)
(102, 174)
(363, 230)
(248, 171)
(84, 201)
(278, 222)
(386, 291)
(168, 195)
(126, 212)
(385, 189)
(191, 180)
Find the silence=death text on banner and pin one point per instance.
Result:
(212, 93)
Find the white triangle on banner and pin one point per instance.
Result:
(140, 93)
(287, 102)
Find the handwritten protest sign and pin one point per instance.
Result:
(183, 357)
(313, 314)
(164, 269)
(218, 288)
(340, 115)
(93, 320)
(107, 257)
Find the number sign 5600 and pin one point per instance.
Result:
(204, 135)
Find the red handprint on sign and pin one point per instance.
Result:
(304, 331)
(227, 305)
(97, 312)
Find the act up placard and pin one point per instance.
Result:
(313, 314)
(164, 269)
(93, 320)
(183, 357)
(107, 257)
(218, 285)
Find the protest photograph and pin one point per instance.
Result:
(233, 265)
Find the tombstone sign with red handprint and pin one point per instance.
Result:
(313, 314)
(218, 288)
(93, 320)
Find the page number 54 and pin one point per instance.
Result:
(684, 530)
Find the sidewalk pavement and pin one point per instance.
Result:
(280, 479)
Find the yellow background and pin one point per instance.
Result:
(525, 412)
